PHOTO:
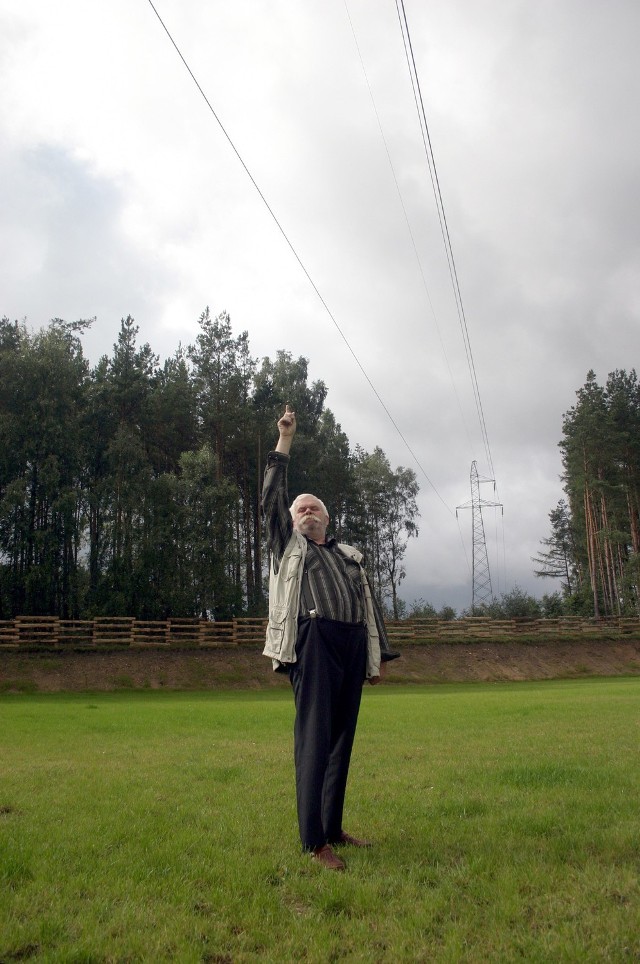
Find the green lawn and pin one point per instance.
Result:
(161, 827)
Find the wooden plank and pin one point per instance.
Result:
(218, 633)
(249, 631)
(453, 629)
(112, 630)
(146, 632)
(214, 633)
(76, 631)
(37, 630)
(184, 631)
(8, 634)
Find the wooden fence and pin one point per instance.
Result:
(119, 631)
(483, 627)
(47, 632)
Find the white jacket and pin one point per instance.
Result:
(284, 605)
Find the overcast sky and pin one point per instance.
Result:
(120, 194)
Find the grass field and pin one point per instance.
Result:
(161, 827)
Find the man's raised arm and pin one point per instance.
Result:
(275, 497)
(287, 429)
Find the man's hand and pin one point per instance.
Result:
(287, 429)
(287, 424)
(374, 680)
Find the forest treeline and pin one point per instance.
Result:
(133, 487)
(595, 532)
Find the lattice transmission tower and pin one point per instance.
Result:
(481, 593)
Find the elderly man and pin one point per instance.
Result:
(326, 630)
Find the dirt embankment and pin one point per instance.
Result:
(245, 668)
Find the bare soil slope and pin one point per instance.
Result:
(245, 668)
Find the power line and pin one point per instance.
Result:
(417, 92)
(406, 217)
(294, 252)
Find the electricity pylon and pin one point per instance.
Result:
(481, 576)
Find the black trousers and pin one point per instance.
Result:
(327, 686)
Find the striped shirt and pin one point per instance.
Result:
(331, 583)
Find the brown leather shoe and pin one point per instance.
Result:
(326, 857)
(346, 838)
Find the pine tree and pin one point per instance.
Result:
(558, 561)
(602, 470)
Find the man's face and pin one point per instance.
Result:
(310, 519)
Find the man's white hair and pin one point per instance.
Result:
(307, 495)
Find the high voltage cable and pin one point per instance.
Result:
(417, 92)
(443, 225)
(295, 253)
(406, 217)
(415, 249)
